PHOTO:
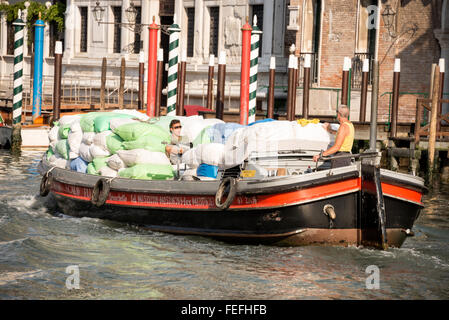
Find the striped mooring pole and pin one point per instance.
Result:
(16, 140)
(38, 64)
(173, 54)
(255, 37)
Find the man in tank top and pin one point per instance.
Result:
(343, 141)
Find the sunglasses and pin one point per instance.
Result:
(177, 127)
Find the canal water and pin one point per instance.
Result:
(41, 253)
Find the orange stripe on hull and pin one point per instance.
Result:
(402, 193)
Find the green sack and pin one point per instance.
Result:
(202, 137)
(101, 123)
(148, 172)
(114, 143)
(163, 122)
(63, 149)
(91, 169)
(64, 131)
(99, 163)
(87, 120)
(147, 142)
(133, 131)
(49, 153)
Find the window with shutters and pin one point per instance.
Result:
(83, 37)
(214, 13)
(190, 30)
(137, 45)
(117, 12)
(257, 10)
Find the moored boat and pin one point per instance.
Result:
(357, 205)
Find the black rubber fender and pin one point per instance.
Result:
(101, 192)
(232, 184)
(45, 184)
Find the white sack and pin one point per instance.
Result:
(84, 152)
(98, 152)
(133, 112)
(74, 140)
(59, 162)
(140, 156)
(100, 140)
(108, 172)
(115, 162)
(68, 119)
(53, 135)
(88, 138)
(211, 153)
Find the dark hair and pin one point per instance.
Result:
(173, 122)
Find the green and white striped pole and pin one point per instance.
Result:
(254, 62)
(18, 82)
(173, 57)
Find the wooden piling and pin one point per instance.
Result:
(433, 124)
(270, 108)
(210, 81)
(291, 84)
(103, 84)
(141, 80)
(345, 81)
(219, 108)
(121, 91)
(160, 73)
(395, 104)
(57, 81)
(374, 102)
(182, 84)
(440, 94)
(364, 92)
(306, 85)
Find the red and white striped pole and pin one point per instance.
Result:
(152, 69)
(244, 75)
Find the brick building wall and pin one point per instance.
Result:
(417, 48)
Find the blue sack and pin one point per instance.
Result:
(79, 165)
(206, 170)
(220, 132)
(261, 121)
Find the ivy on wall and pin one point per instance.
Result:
(55, 13)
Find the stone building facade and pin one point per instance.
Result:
(328, 30)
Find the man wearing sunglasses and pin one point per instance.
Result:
(178, 144)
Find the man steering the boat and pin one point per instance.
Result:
(178, 144)
(343, 141)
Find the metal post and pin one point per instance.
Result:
(152, 56)
(344, 80)
(210, 81)
(306, 84)
(38, 64)
(141, 80)
(160, 70)
(363, 95)
(57, 81)
(270, 111)
(182, 83)
(244, 75)
(219, 108)
(103, 84)
(395, 106)
(254, 62)
(173, 54)
(374, 100)
(433, 123)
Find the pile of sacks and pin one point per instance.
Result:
(126, 143)
(123, 143)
